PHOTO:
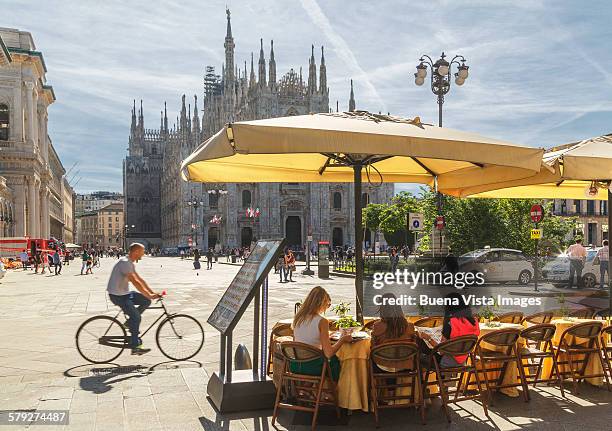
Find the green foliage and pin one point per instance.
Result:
(342, 309)
(391, 218)
(347, 322)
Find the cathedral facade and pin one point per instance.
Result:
(163, 210)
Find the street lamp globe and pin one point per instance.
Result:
(463, 72)
(421, 71)
(418, 80)
(459, 80)
(442, 67)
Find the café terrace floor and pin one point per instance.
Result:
(41, 369)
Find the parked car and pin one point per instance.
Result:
(499, 265)
(557, 270)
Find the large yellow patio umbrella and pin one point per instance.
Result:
(353, 147)
(580, 170)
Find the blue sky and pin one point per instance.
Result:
(540, 71)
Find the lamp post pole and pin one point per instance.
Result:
(194, 204)
(441, 71)
(125, 232)
(215, 192)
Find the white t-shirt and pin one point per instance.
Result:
(118, 283)
(308, 332)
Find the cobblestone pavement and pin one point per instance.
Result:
(41, 369)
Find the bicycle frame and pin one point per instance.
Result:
(110, 340)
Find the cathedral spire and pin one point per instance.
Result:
(229, 53)
(352, 99)
(322, 74)
(272, 80)
(195, 123)
(183, 122)
(133, 126)
(262, 65)
(312, 73)
(252, 81)
(165, 118)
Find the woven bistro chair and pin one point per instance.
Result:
(429, 322)
(310, 392)
(606, 349)
(532, 358)
(539, 318)
(453, 377)
(280, 330)
(577, 354)
(583, 313)
(505, 340)
(512, 317)
(403, 357)
(370, 325)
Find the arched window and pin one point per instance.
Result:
(4, 122)
(246, 198)
(213, 200)
(337, 200)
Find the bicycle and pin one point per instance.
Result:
(101, 339)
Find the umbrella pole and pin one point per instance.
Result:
(358, 243)
(609, 249)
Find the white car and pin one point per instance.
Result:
(557, 270)
(499, 265)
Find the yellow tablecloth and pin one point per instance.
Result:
(593, 365)
(511, 375)
(353, 382)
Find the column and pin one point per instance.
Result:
(35, 122)
(19, 213)
(30, 111)
(31, 230)
(38, 219)
(17, 128)
(44, 224)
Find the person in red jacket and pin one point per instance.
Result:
(458, 321)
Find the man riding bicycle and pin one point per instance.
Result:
(132, 303)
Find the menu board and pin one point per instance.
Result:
(238, 295)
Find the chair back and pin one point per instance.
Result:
(512, 317)
(370, 324)
(300, 352)
(282, 330)
(607, 331)
(394, 354)
(583, 313)
(457, 346)
(501, 337)
(429, 322)
(539, 333)
(588, 330)
(539, 318)
(296, 307)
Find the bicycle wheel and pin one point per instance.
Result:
(101, 339)
(179, 337)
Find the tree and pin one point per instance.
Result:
(391, 218)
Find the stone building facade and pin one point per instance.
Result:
(31, 191)
(592, 218)
(179, 213)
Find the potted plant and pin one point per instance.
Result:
(346, 323)
(563, 308)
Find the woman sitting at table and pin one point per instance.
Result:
(458, 321)
(310, 327)
(392, 326)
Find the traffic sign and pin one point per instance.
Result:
(415, 221)
(536, 233)
(536, 213)
(440, 222)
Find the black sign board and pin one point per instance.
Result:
(238, 295)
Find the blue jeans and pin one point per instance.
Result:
(576, 266)
(603, 268)
(128, 304)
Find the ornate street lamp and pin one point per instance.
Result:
(441, 76)
(125, 232)
(194, 204)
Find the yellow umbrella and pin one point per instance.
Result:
(351, 147)
(580, 170)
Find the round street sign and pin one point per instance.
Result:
(440, 223)
(536, 213)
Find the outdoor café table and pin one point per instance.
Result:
(511, 374)
(353, 382)
(593, 365)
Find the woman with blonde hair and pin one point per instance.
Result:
(310, 327)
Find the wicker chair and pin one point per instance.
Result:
(512, 317)
(446, 377)
(505, 340)
(280, 330)
(402, 356)
(429, 322)
(310, 392)
(583, 313)
(533, 357)
(606, 348)
(539, 318)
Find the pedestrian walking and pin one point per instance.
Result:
(57, 262)
(209, 258)
(577, 255)
(604, 263)
(289, 265)
(394, 258)
(45, 262)
(25, 259)
(85, 258)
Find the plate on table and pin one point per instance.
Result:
(359, 335)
